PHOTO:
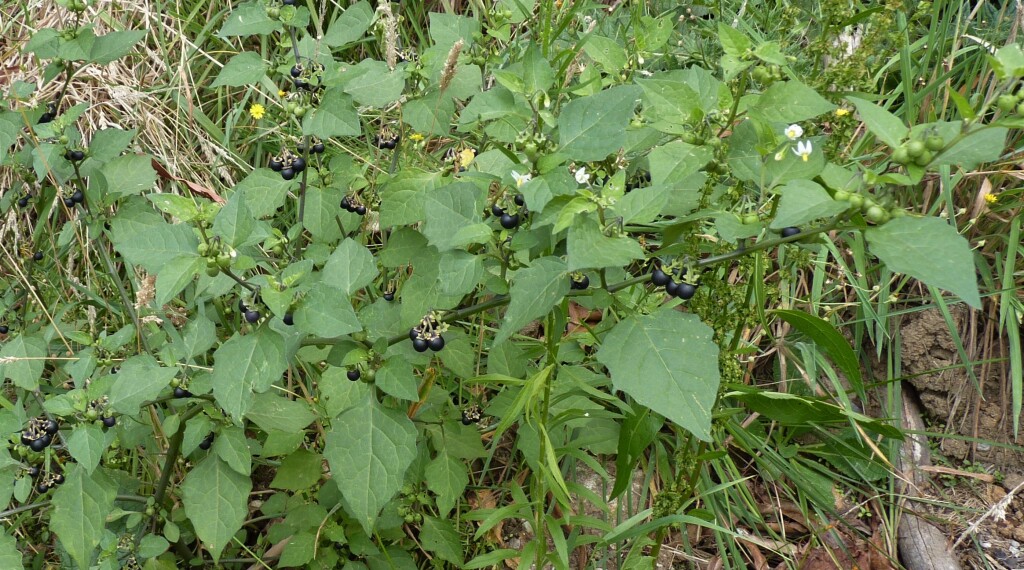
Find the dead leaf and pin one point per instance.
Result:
(203, 191)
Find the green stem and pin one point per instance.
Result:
(173, 449)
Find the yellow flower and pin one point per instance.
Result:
(842, 112)
(416, 137)
(257, 111)
(466, 157)
(281, 92)
(991, 198)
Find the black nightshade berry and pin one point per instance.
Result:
(299, 164)
(180, 392)
(252, 316)
(509, 221)
(519, 200)
(42, 488)
(38, 256)
(4, 329)
(296, 71)
(660, 278)
(685, 291)
(360, 209)
(319, 148)
(497, 211)
(287, 173)
(69, 202)
(37, 445)
(389, 296)
(51, 426)
(790, 231)
(671, 287)
(33, 471)
(420, 344)
(109, 421)
(353, 374)
(436, 343)
(288, 319)
(78, 197)
(23, 202)
(207, 442)
(276, 164)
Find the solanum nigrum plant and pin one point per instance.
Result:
(421, 293)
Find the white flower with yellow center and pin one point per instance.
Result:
(521, 178)
(803, 150)
(581, 175)
(794, 132)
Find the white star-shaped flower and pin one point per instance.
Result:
(521, 178)
(794, 132)
(803, 150)
(581, 175)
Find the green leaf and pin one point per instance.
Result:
(144, 239)
(264, 192)
(299, 470)
(232, 447)
(152, 545)
(335, 116)
(375, 85)
(430, 114)
(668, 98)
(1008, 62)
(446, 29)
(175, 276)
(140, 379)
(80, 508)
(734, 42)
(642, 204)
(27, 356)
(535, 290)
(183, 208)
(447, 477)
(828, 339)
(667, 362)
(86, 444)
(216, 501)
(589, 248)
(369, 448)
(10, 557)
(453, 215)
(114, 45)
(984, 144)
(327, 312)
(673, 162)
(883, 124)
(789, 102)
(246, 68)
(349, 26)
(129, 174)
(248, 19)
(439, 536)
(350, 268)
(608, 53)
(247, 364)
(928, 249)
(639, 428)
(270, 411)
(300, 550)
(396, 378)
(338, 394)
(590, 128)
(803, 201)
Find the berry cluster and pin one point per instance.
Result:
(471, 414)
(427, 335)
(217, 256)
(74, 155)
(288, 165)
(49, 482)
(307, 78)
(680, 289)
(507, 219)
(386, 138)
(96, 410)
(578, 281)
(410, 503)
(352, 204)
(75, 198)
(39, 433)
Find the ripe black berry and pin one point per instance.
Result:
(4, 329)
(25, 439)
(276, 164)
(252, 316)
(77, 155)
(42, 488)
(241, 306)
(78, 197)
(58, 479)
(497, 211)
(287, 173)
(38, 445)
(38, 256)
(389, 296)
(300, 83)
(353, 374)
(23, 202)
(319, 148)
(299, 164)
(109, 421)
(790, 231)
(288, 2)
(685, 291)
(288, 319)
(671, 287)
(414, 333)
(207, 442)
(519, 200)
(420, 344)
(51, 426)
(471, 415)
(360, 209)
(33, 471)
(582, 283)
(660, 278)
(180, 392)
(509, 221)
(46, 118)
(69, 202)
(296, 71)
(436, 343)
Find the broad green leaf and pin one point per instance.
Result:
(438, 535)
(403, 196)
(670, 100)
(734, 42)
(249, 18)
(321, 215)
(430, 114)
(216, 500)
(180, 207)
(984, 144)
(792, 167)
(270, 411)
(80, 508)
(10, 557)
(86, 444)
(144, 239)
(453, 215)
(590, 128)
(537, 72)
(246, 68)
(535, 290)
(673, 162)
(234, 222)
(789, 102)
(642, 204)
(300, 550)
(326, 312)
(375, 85)
(883, 124)
(152, 545)
(232, 447)
(338, 393)
(668, 362)
(369, 448)
(1008, 62)
(608, 53)
(447, 477)
(247, 364)
(638, 430)
(299, 470)
(335, 116)
(264, 192)
(459, 272)
(114, 45)
(175, 276)
(828, 339)
(396, 378)
(589, 248)
(22, 359)
(10, 128)
(350, 25)
(350, 267)
(129, 174)
(446, 29)
(141, 378)
(803, 201)
(928, 249)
